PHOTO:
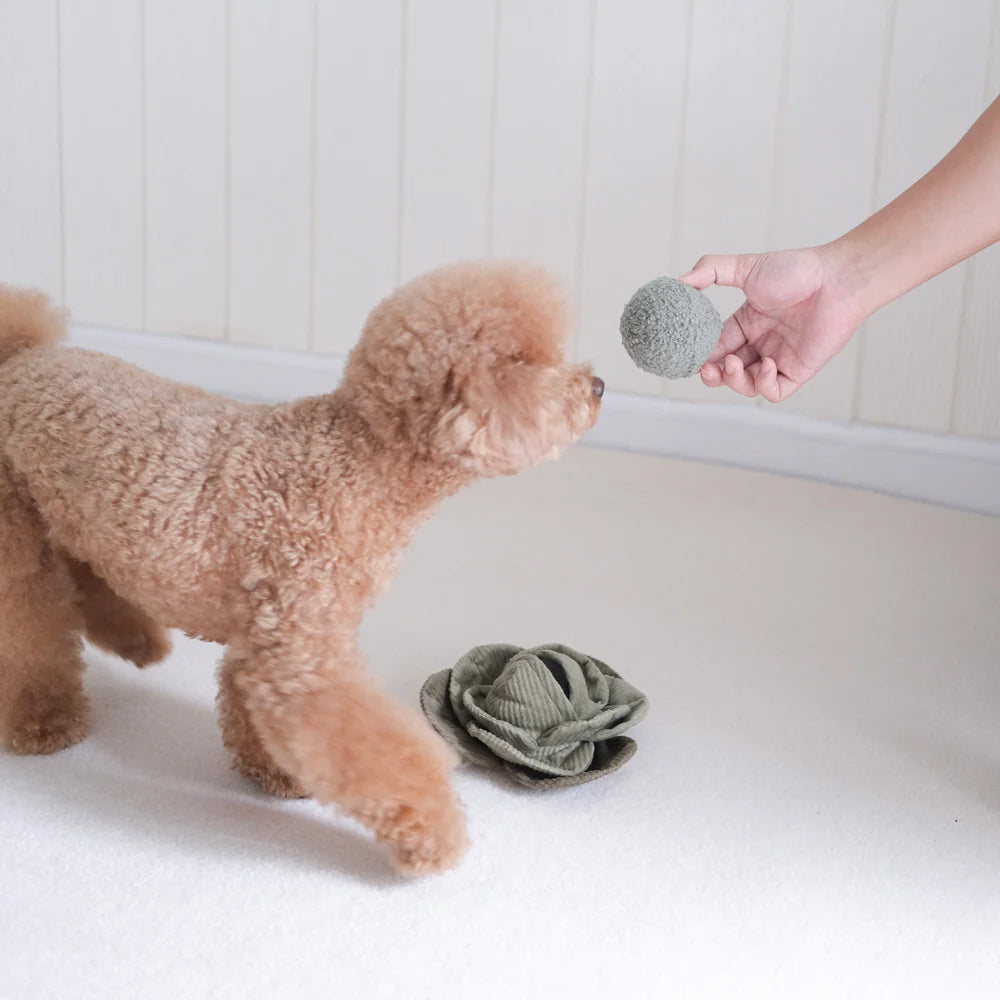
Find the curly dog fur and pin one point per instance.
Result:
(130, 504)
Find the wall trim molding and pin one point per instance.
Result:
(938, 468)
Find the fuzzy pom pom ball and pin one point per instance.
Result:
(670, 328)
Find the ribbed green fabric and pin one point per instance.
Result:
(549, 716)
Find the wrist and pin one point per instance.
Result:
(852, 273)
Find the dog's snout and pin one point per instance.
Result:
(598, 385)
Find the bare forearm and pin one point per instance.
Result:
(949, 214)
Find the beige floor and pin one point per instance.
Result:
(814, 809)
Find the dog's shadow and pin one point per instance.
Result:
(153, 765)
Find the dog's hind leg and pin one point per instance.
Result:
(114, 624)
(240, 737)
(42, 704)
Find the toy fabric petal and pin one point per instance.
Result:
(546, 715)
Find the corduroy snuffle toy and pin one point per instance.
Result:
(546, 717)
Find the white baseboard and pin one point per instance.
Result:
(938, 468)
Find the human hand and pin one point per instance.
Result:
(801, 309)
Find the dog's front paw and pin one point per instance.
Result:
(426, 843)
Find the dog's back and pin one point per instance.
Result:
(70, 399)
(119, 463)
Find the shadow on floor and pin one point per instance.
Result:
(153, 765)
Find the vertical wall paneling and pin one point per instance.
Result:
(101, 94)
(268, 171)
(977, 385)
(634, 139)
(724, 194)
(357, 165)
(185, 166)
(30, 230)
(830, 104)
(543, 62)
(935, 92)
(271, 58)
(448, 64)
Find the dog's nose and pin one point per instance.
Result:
(598, 387)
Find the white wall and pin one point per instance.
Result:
(263, 171)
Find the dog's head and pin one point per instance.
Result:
(465, 365)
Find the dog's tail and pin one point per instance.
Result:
(27, 319)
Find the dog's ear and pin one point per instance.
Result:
(517, 416)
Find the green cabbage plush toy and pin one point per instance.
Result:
(548, 716)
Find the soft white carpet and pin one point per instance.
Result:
(814, 810)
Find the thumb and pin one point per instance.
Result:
(717, 269)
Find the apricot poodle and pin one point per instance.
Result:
(130, 504)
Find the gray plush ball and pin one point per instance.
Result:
(669, 328)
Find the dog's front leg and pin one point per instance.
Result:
(345, 741)
(240, 736)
